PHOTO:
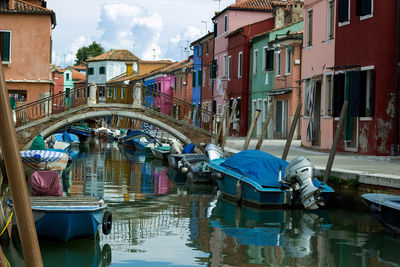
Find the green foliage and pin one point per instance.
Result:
(352, 183)
(86, 52)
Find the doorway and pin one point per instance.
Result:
(317, 114)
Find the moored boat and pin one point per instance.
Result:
(261, 179)
(66, 218)
(161, 152)
(386, 208)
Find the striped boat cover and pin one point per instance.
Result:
(44, 159)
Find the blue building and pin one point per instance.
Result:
(197, 72)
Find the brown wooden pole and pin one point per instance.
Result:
(291, 132)
(332, 153)
(264, 130)
(221, 126)
(228, 125)
(251, 129)
(17, 181)
(3, 262)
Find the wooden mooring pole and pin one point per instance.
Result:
(251, 129)
(17, 181)
(221, 126)
(291, 132)
(265, 127)
(332, 154)
(228, 125)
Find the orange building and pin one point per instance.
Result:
(25, 47)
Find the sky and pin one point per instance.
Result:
(151, 29)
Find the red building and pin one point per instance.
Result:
(57, 75)
(238, 70)
(364, 74)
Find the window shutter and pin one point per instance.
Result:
(363, 7)
(200, 77)
(338, 94)
(214, 68)
(371, 100)
(215, 29)
(194, 79)
(6, 46)
(270, 60)
(355, 94)
(343, 10)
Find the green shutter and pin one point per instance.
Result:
(194, 79)
(5, 54)
(200, 77)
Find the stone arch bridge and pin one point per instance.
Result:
(56, 112)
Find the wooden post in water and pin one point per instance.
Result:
(228, 125)
(291, 132)
(264, 130)
(332, 154)
(251, 129)
(17, 181)
(221, 126)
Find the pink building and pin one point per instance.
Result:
(317, 61)
(242, 13)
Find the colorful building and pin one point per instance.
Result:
(237, 15)
(26, 67)
(197, 72)
(104, 67)
(264, 79)
(238, 72)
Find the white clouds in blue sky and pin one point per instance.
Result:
(147, 28)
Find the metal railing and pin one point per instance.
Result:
(54, 104)
(152, 99)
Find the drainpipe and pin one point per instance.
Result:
(300, 84)
(396, 81)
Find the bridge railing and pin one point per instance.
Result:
(177, 108)
(51, 105)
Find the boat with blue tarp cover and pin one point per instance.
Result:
(386, 208)
(136, 139)
(262, 179)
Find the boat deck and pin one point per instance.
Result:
(66, 201)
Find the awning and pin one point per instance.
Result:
(280, 92)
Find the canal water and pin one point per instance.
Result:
(158, 220)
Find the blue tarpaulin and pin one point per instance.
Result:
(258, 166)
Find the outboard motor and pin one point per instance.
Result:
(300, 172)
(213, 152)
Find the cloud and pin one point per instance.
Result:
(127, 26)
(178, 46)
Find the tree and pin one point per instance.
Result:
(86, 52)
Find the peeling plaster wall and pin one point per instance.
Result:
(382, 136)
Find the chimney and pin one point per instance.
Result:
(11, 4)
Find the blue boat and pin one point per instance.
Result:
(386, 208)
(261, 179)
(82, 131)
(67, 137)
(136, 139)
(66, 218)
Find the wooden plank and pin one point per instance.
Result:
(332, 153)
(265, 127)
(221, 126)
(291, 132)
(228, 125)
(251, 129)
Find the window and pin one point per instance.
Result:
(268, 59)
(67, 76)
(240, 63)
(122, 92)
(344, 11)
(159, 86)
(331, 20)
(226, 23)
(215, 29)
(224, 65)
(309, 27)
(255, 61)
(90, 71)
(229, 67)
(207, 47)
(180, 82)
(77, 93)
(175, 84)
(288, 60)
(115, 92)
(214, 68)
(364, 8)
(278, 116)
(102, 70)
(328, 95)
(219, 109)
(278, 63)
(362, 95)
(109, 90)
(5, 46)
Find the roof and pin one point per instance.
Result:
(198, 41)
(81, 67)
(263, 34)
(154, 62)
(23, 7)
(250, 5)
(169, 69)
(76, 75)
(121, 78)
(115, 55)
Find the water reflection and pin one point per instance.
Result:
(160, 220)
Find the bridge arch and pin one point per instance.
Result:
(119, 113)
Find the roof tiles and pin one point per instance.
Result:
(25, 8)
(115, 55)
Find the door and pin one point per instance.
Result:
(317, 114)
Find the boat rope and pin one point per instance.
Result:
(8, 222)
